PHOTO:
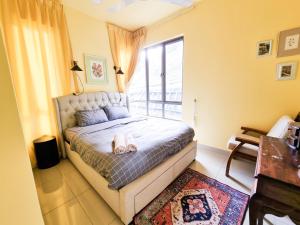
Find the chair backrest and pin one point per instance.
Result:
(280, 128)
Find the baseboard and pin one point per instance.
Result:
(214, 149)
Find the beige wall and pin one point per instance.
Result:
(19, 202)
(89, 36)
(232, 86)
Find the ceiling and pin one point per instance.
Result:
(141, 13)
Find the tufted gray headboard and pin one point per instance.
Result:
(66, 106)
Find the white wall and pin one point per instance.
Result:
(89, 36)
(221, 70)
(18, 198)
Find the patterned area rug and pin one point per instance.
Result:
(195, 199)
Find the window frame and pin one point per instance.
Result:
(163, 101)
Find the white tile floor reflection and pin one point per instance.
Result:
(67, 199)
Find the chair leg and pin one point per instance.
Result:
(231, 157)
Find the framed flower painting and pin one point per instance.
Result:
(95, 68)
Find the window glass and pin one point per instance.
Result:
(155, 109)
(156, 86)
(173, 111)
(174, 55)
(138, 108)
(154, 56)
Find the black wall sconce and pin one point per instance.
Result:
(118, 70)
(77, 68)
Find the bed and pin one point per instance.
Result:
(131, 195)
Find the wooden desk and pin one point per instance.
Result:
(277, 186)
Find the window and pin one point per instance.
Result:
(156, 86)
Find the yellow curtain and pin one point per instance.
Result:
(40, 57)
(125, 46)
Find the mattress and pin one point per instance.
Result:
(157, 140)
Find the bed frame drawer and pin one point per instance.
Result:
(180, 165)
(153, 189)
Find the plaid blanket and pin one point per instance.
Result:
(157, 140)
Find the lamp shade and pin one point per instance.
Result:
(118, 70)
(76, 67)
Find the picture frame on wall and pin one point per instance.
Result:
(289, 42)
(95, 68)
(264, 48)
(286, 71)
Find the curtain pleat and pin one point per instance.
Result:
(40, 58)
(125, 46)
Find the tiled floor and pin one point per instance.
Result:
(67, 199)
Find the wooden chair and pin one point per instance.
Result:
(245, 144)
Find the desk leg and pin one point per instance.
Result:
(255, 214)
(260, 219)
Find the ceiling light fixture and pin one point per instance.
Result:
(97, 1)
(124, 3)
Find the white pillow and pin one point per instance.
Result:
(280, 128)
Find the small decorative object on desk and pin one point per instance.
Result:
(296, 159)
(293, 141)
(46, 151)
